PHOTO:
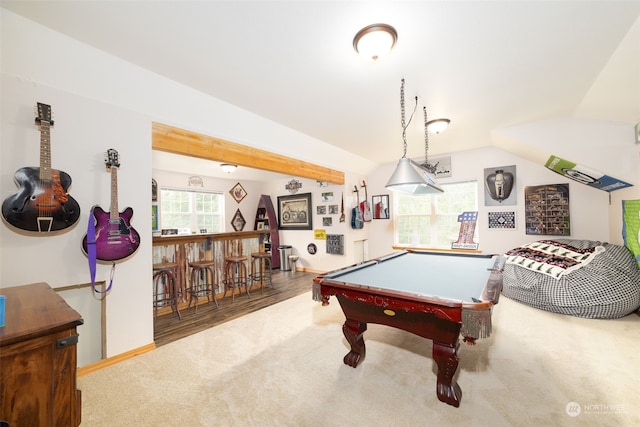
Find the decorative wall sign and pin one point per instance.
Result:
(319, 234)
(335, 244)
(294, 212)
(467, 222)
(547, 210)
(312, 248)
(585, 175)
(293, 186)
(238, 221)
(502, 220)
(238, 192)
(440, 166)
(499, 183)
(196, 181)
(328, 196)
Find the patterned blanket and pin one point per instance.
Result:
(552, 258)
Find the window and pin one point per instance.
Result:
(192, 210)
(432, 220)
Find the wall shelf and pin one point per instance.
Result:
(266, 220)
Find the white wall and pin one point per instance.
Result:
(101, 102)
(589, 207)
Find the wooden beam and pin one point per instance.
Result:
(179, 141)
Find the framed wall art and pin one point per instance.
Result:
(547, 210)
(499, 186)
(502, 220)
(335, 244)
(238, 222)
(380, 206)
(440, 166)
(238, 192)
(294, 212)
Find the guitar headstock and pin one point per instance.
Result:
(111, 158)
(43, 114)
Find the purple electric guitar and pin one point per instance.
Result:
(115, 237)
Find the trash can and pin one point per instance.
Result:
(285, 251)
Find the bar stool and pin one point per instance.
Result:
(164, 287)
(235, 275)
(261, 273)
(200, 288)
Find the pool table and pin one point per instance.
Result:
(438, 296)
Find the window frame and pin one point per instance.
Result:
(194, 214)
(432, 224)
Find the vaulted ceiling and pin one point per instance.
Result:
(486, 65)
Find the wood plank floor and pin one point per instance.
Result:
(286, 284)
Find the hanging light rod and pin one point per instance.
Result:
(409, 176)
(375, 41)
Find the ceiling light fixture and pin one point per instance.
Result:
(228, 168)
(437, 125)
(375, 41)
(409, 176)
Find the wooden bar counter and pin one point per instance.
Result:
(183, 249)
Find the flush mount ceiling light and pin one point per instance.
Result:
(375, 41)
(228, 168)
(409, 176)
(437, 125)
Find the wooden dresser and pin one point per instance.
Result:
(38, 359)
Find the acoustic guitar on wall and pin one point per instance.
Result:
(115, 238)
(42, 204)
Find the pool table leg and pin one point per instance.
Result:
(353, 331)
(446, 357)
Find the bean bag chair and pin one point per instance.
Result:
(581, 278)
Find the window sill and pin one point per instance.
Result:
(424, 249)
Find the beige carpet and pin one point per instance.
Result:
(282, 366)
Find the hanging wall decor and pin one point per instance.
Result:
(547, 210)
(585, 175)
(238, 221)
(293, 186)
(440, 166)
(466, 234)
(335, 244)
(238, 192)
(294, 212)
(498, 185)
(502, 220)
(380, 206)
